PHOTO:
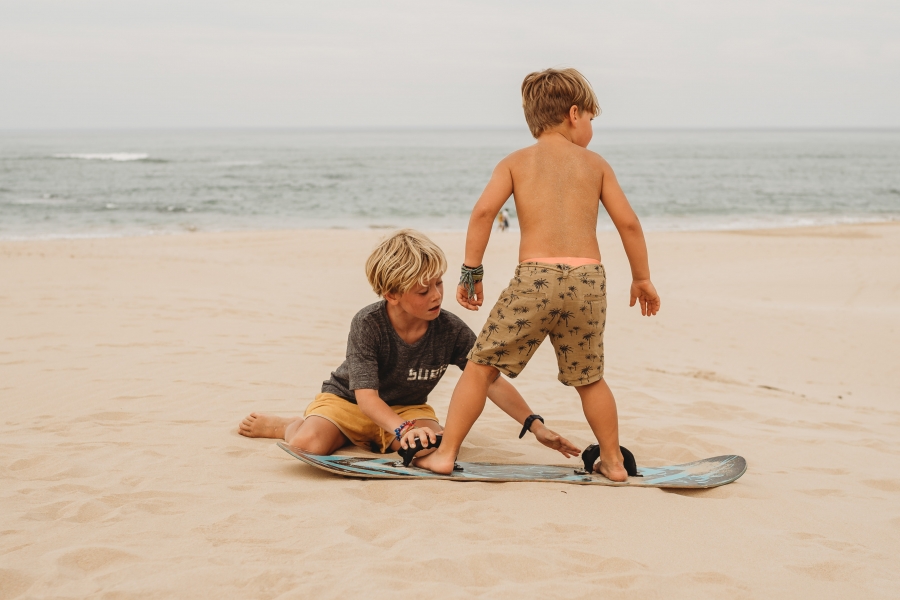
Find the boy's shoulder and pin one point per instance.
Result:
(452, 321)
(369, 317)
(526, 156)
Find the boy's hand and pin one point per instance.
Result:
(462, 296)
(643, 290)
(422, 433)
(553, 440)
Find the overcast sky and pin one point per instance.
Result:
(431, 63)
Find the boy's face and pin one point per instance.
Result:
(422, 301)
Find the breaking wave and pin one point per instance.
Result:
(114, 156)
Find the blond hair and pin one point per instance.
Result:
(402, 260)
(548, 95)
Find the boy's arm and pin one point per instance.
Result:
(495, 194)
(371, 405)
(629, 228)
(503, 394)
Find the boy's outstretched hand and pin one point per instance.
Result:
(553, 440)
(462, 296)
(642, 290)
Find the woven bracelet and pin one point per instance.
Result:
(470, 276)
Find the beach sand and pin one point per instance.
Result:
(126, 365)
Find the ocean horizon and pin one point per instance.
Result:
(111, 183)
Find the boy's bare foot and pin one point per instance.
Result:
(612, 470)
(436, 462)
(265, 426)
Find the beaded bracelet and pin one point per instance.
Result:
(470, 276)
(398, 433)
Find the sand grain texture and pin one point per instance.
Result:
(126, 364)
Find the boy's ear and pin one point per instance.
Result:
(392, 298)
(574, 113)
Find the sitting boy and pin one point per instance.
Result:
(397, 351)
(559, 288)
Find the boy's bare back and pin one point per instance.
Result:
(557, 187)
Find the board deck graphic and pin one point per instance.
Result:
(706, 473)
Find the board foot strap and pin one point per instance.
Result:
(591, 455)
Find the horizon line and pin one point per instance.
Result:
(400, 129)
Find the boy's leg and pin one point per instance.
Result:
(313, 434)
(600, 410)
(316, 435)
(515, 327)
(466, 405)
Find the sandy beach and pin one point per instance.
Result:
(126, 365)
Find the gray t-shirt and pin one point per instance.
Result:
(404, 374)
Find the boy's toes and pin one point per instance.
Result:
(246, 426)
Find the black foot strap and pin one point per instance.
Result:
(407, 454)
(591, 455)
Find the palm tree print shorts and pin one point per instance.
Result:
(566, 303)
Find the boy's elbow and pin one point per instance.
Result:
(482, 213)
(630, 226)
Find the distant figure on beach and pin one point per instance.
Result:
(503, 220)
(559, 287)
(397, 351)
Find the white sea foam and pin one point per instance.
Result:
(44, 201)
(748, 222)
(114, 156)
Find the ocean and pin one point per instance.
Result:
(94, 184)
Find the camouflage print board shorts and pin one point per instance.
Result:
(566, 303)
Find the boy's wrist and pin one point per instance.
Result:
(404, 427)
(469, 276)
(528, 425)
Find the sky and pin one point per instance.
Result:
(444, 64)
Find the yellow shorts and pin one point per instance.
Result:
(360, 429)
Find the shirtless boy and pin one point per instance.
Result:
(559, 289)
(397, 351)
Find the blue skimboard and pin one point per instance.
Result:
(706, 473)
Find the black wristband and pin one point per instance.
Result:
(527, 426)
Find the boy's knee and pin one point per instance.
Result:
(309, 443)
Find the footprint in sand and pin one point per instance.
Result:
(885, 485)
(829, 570)
(13, 583)
(88, 560)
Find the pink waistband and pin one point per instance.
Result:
(572, 261)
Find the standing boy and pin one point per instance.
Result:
(559, 289)
(397, 351)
